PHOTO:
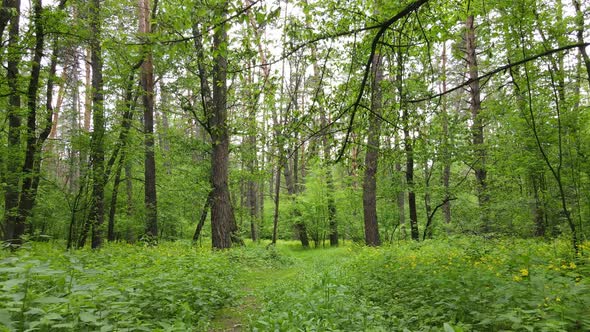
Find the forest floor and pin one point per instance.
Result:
(455, 284)
(255, 281)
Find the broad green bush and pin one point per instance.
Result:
(171, 287)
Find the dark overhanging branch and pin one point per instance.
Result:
(211, 28)
(427, 229)
(382, 29)
(500, 69)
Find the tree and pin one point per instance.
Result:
(12, 176)
(372, 155)
(223, 223)
(147, 85)
(477, 127)
(96, 216)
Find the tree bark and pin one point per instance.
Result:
(12, 175)
(147, 85)
(202, 218)
(122, 149)
(409, 151)
(445, 142)
(401, 199)
(98, 122)
(223, 222)
(477, 127)
(30, 178)
(371, 157)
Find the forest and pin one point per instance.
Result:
(303, 165)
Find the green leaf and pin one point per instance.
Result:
(5, 319)
(64, 325)
(88, 317)
(51, 300)
(53, 316)
(9, 284)
(448, 328)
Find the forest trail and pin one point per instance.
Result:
(257, 281)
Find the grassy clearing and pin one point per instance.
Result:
(463, 284)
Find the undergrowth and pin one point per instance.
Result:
(458, 284)
(461, 284)
(172, 287)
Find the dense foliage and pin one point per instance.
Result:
(460, 284)
(134, 126)
(171, 287)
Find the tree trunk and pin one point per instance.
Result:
(371, 157)
(427, 206)
(401, 199)
(223, 222)
(538, 210)
(300, 227)
(147, 85)
(13, 165)
(276, 201)
(122, 147)
(97, 140)
(30, 178)
(409, 149)
(445, 142)
(479, 150)
(88, 92)
(203, 217)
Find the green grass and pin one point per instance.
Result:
(460, 284)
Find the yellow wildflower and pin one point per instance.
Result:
(517, 278)
(524, 272)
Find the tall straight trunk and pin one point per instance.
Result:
(223, 223)
(445, 141)
(372, 155)
(409, 149)
(427, 204)
(401, 204)
(250, 153)
(252, 184)
(332, 223)
(122, 148)
(58, 105)
(129, 187)
(277, 194)
(477, 135)
(147, 85)
(97, 139)
(538, 206)
(88, 94)
(75, 156)
(13, 165)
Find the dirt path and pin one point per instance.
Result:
(254, 281)
(235, 318)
